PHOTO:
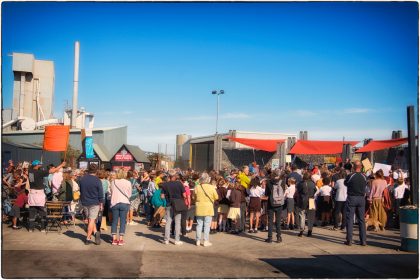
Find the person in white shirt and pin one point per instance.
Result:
(399, 191)
(340, 201)
(255, 191)
(326, 202)
(290, 201)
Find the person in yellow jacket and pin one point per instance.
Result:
(243, 177)
(158, 179)
(205, 195)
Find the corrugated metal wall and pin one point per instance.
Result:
(18, 154)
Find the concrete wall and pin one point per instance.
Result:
(41, 78)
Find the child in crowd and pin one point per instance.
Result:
(255, 192)
(234, 196)
(290, 202)
(325, 202)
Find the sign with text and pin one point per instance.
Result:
(123, 156)
(126, 168)
(288, 158)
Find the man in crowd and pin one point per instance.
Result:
(92, 199)
(294, 174)
(171, 191)
(356, 189)
(36, 197)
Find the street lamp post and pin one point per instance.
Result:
(215, 92)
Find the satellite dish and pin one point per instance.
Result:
(27, 124)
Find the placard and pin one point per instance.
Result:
(356, 156)
(366, 164)
(275, 163)
(385, 168)
(288, 158)
(330, 159)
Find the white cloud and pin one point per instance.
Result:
(356, 111)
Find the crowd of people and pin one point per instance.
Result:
(248, 200)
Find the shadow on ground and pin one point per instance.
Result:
(339, 266)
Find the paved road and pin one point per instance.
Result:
(40, 255)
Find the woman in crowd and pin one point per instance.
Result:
(213, 227)
(255, 192)
(205, 195)
(340, 200)
(120, 190)
(187, 201)
(111, 177)
(290, 203)
(159, 205)
(191, 209)
(399, 190)
(105, 187)
(223, 204)
(377, 211)
(75, 203)
(134, 198)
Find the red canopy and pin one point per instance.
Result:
(375, 145)
(312, 147)
(269, 145)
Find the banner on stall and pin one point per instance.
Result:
(89, 147)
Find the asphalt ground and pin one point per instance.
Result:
(58, 255)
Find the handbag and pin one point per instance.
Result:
(179, 205)
(76, 195)
(312, 204)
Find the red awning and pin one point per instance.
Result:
(312, 147)
(269, 145)
(376, 145)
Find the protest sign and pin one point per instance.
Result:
(385, 168)
(366, 164)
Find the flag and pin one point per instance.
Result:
(56, 138)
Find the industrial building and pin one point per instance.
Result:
(33, 99)
(219, 151)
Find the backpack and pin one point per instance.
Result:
(277, 197)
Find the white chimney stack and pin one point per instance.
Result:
(75, 84)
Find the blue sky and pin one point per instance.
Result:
(334, 69)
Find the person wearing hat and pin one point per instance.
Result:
(36, 197)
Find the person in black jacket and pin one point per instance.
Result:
(356, 189)
(273, 210)
(305, 190)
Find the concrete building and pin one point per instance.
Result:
(33, 87)
(217, 151)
